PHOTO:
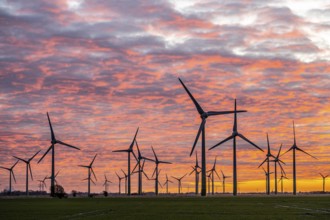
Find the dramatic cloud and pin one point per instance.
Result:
(103, 68)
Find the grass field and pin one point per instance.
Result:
(228, 207)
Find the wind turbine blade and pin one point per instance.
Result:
(279, 160)
(264, 170)
(135, 167)
(45, 153)
(196, 160)
(30, 170)
(93, 173)
(247, 140)
(211, 113)
(294, 133)
(68, 145)
(222, 173)
(175, 178)
(144, 161)
(152, 148)
(153, 173)
(137, 146)
(279, 152)
(83, 166)
(5, 168)
(93, 181)
(93, 160)
(51, 128)
(164, 162)
(262, 163)
(170, 181)
(160, 185)
(305, 152)
(14, 165)
(192, 172)
(145, 174)
(57, 173)
(217, 174)
(268, 146)
(132, 144)
(12, 173)
(198, 107)
(117, 175)
(120, 151)
(282, 168)
(145, 158)
(223, 141)
(34, 155)
(136, 158)
(184, 176)
(21, 159)
(201, 127)
(291, 148)
(123, 172)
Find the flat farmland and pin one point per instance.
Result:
(218, 207)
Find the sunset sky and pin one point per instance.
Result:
(103, 68)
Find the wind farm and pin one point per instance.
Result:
(164, 109)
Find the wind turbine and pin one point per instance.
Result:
(139, 158)
(212, 171)
(204, 115)
(267, 178)
(42, 183)
(28, 167)
(268, 155)
(11, 174)
(294, 148)
(129, 151)
(140, 171)
(324, 177)
(119, 181)
(209, 183)
(156, 181)
(233, 136)
(126, 177)
(166, 183)
(90, 171)
(224, 182)
(179, 182)
(195, 169)
(281, 179)
(53, 142)
(278, 161)
(105, 184)
(157, 162)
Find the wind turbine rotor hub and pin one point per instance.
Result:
(204, 115)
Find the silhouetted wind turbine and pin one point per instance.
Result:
(324, 177)
(54, 177)
(11, 174)
(119, 181)
(126, 177)
(105, 184)
(209, 183)
(268, 155)
(43, 183)
(157, 162)
(233, 136)
(90, 171)
(129, 151)
(281, 179)
(140, 171)
(166, 183)
(294, 148)
(54, 141)
(195, 169)
(224, 182)
(212, 171)
(156, 181)
(179, 182)
(267, 178)
(204, 115)
(139, 158)
(28, 167)
(278, 161)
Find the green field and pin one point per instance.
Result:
(228, 207)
